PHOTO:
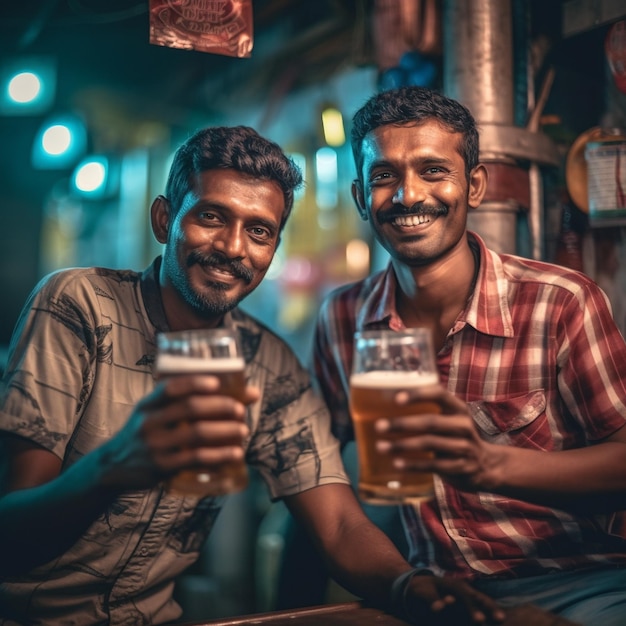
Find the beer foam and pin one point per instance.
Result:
(385, 379)
(177, 364)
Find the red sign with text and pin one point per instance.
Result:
(216, 26)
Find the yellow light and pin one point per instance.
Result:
(357, 258)
(332, 122)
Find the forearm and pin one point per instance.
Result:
(362, 559)
(38, 524)
(366, 563)
(358, 556)
(592, 478)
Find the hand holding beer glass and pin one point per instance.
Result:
(215, 352)
(386, 362)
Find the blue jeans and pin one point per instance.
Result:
(589, 598)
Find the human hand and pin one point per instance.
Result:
(433, 600)
(459, 454)
(184, 423)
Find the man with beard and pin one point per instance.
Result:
(529, 454)
(88, 534)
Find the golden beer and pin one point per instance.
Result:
(372, 396)
(228, 477)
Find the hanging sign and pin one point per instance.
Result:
(216, 26)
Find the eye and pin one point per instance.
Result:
(434, 172)
(261, 233)
(380, 178)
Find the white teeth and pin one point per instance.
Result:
(411, 220)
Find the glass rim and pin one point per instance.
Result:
(215, 337)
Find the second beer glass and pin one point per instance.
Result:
(215, 352)
(386, 362)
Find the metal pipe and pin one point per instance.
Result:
(478, 57)
(478, 71)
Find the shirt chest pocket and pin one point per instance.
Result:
(518, 420)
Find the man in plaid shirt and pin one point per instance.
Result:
(530, 451)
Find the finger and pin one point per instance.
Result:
(212, 434)
(180, 385)
(463, 602)
(203, 407)
(451, 469)
(482, 608)
(173, 387)
(192, 436)
(174, 461)
(457, 598)
(195, 407)
(166, 429)
(447, 401)
(421, 598)
(450, 426)
(443, 446)
(251, 394)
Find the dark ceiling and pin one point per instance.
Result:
(108, 69)
(105, 58)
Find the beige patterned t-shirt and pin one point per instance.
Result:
(81, 357)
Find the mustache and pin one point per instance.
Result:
(419, 208)
(236, 268)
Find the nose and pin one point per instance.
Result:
(230, 241)
(411, 189)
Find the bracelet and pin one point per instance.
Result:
(399, 588)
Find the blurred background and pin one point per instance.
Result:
(91, 111)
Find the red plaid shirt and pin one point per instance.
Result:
(538, 358)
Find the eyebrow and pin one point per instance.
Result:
(425, 159)
(273, 226)
(255, 219)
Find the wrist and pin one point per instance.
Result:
(398, 603)
(494, 475)
(107, 476)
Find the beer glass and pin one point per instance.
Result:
(215, 352)
(386, 362)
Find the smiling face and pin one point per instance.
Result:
(414, 190)
(219, 244)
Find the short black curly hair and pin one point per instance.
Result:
(239, 148)
(415, 104)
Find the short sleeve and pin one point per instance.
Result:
(48, 368)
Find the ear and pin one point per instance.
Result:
(477, 186)
(357, 196)
(160, 218)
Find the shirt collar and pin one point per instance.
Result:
(151, 294)
(487, 309)
(379, 307)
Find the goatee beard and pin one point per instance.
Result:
(215, 259)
